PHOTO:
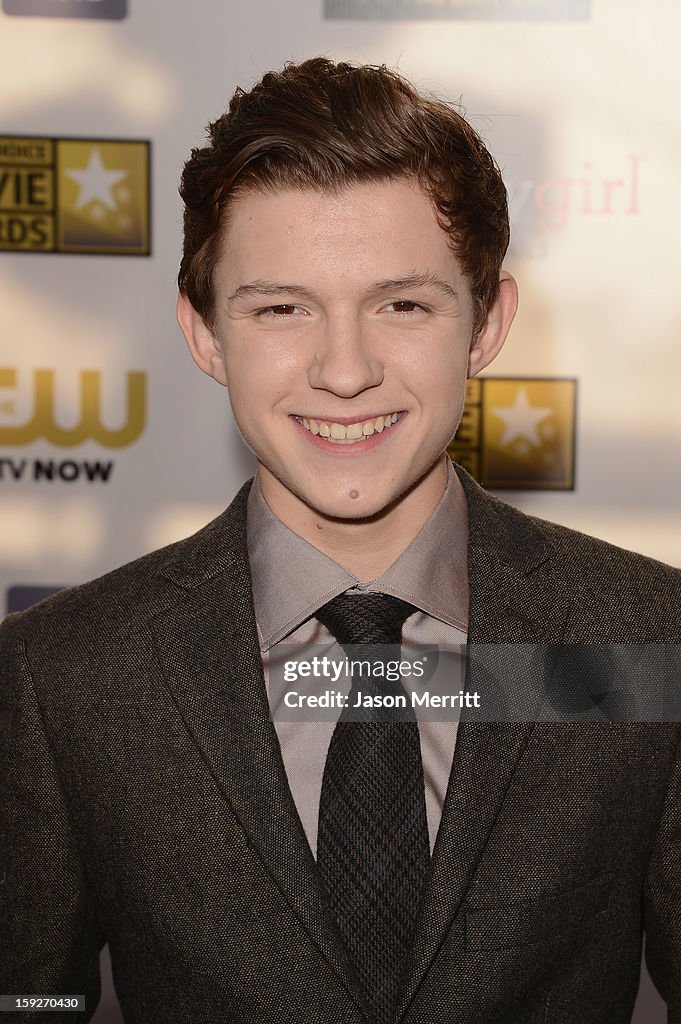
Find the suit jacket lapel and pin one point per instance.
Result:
(514, 599)
(208, 649)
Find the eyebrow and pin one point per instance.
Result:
(427, 279)
(271, 288)
(395, 284)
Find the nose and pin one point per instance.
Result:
(344, 362)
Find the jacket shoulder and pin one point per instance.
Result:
(611, 590)
(140, 589)
(609, 584)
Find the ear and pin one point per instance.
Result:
(489, 342)
(204, 347)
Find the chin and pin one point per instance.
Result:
(345, 507)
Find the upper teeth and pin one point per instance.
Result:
(351, 432)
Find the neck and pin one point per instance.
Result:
(365, 547)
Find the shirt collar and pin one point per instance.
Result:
(291, 578)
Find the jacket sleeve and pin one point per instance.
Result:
(49, 939)
(662, 901)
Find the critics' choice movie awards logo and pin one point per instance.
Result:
(29, 415)
(461, 10)
(74, 196)
(518, 433)
(111, 9)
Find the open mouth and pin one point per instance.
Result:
(349, 433)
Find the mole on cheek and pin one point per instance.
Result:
(354, 494)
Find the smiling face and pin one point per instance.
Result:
(343, 330)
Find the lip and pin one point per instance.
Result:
(345, 421)
(348, 450)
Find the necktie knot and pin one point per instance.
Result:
(365, 618)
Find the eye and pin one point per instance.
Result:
(280, 312)
(406, 307)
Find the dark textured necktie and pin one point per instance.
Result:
(372, 845)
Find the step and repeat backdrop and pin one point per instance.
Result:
(112, 443)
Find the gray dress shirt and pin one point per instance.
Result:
(292, 579)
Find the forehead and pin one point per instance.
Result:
(353, 230)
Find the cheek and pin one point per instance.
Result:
(439, 377)
(244, 394)
(441, 355)
(446, 393)
(256, 392)
(261, 369)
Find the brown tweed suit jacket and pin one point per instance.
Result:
(144, 803)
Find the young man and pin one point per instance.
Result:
(341, 278)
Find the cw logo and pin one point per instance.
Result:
(90, 428)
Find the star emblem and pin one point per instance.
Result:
(521, 419)
(95, 182)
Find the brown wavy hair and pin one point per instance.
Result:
(325, 126)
